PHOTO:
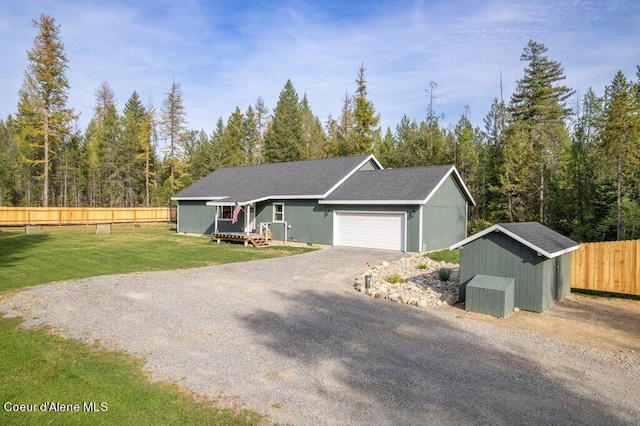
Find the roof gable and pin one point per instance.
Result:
(300, 179)
(534, 235)
(413, 185)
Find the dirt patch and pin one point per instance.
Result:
(603, 322)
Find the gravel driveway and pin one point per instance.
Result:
(290, 338)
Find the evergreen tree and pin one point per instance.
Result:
(285, 140)
(341, 132)
(366, 129)
(136, 152)
(262, 120)
(173, 130)
(43, 116)
(385, 151)
(11, 176)
(313, 136)
(201, 157)
(100, 151)
(495, 134)
(538, 104)
(229, 150)
(251, 136)
(621, 142)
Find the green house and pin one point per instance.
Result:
(344, 201)
(536, 257)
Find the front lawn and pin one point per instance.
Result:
(65, 253)
(108, 388)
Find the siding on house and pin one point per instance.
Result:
(499, 255)
(311, 222)
(195, 217)
(308, 221)
(444, 217)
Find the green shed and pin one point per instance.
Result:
(536, 257)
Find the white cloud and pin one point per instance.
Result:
(226, 55)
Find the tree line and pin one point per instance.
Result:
(568, 160)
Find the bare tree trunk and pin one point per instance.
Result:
(45, 189)
(542, 195)
(146, 180)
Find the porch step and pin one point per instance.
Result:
(258, 241)
(254, 239)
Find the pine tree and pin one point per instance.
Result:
(313, 136)
(230, 150)
(250, 136)
(43, 116)
(539, 105)
(385, 151)
(10, 176)
(366, 129)
(136, 151)
(285, 140)
(495, 134)
(620, 141)
(173, 130)
(201, 157)
(262, 120)
(100, 151)
(341, 140)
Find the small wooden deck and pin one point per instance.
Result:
(256, 240)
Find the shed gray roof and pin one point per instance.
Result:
(312, 178)
(413, 185)
(534, 235)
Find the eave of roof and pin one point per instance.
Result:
(498, 228)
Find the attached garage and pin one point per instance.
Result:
(369, 229)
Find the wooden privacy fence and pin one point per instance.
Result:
(19, 216)
(612, 266)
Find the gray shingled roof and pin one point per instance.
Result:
(389, 185)
(296, 178)
(534, 235)
(540, 236)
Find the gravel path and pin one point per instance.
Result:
(292, 339)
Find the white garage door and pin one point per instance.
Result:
(369, 229)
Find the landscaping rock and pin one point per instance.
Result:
(419, 287)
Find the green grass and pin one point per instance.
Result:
(449, 256)
(69, 253)
(38, 367)
(394, 279)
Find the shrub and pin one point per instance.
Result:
(422, 266)
(394, 279)
(444, 274)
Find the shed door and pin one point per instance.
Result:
(379, 230)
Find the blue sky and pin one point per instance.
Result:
(227, 53)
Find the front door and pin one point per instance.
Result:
(251, 211)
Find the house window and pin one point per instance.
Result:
(226, 213)
(278, 212)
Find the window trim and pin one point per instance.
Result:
(221, 216)
(280, 213)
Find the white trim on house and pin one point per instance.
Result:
(274, 213)
(443, 180)
(198, 198)
(498, 228)
(420, 228)
(355, 169)
(373, 202)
